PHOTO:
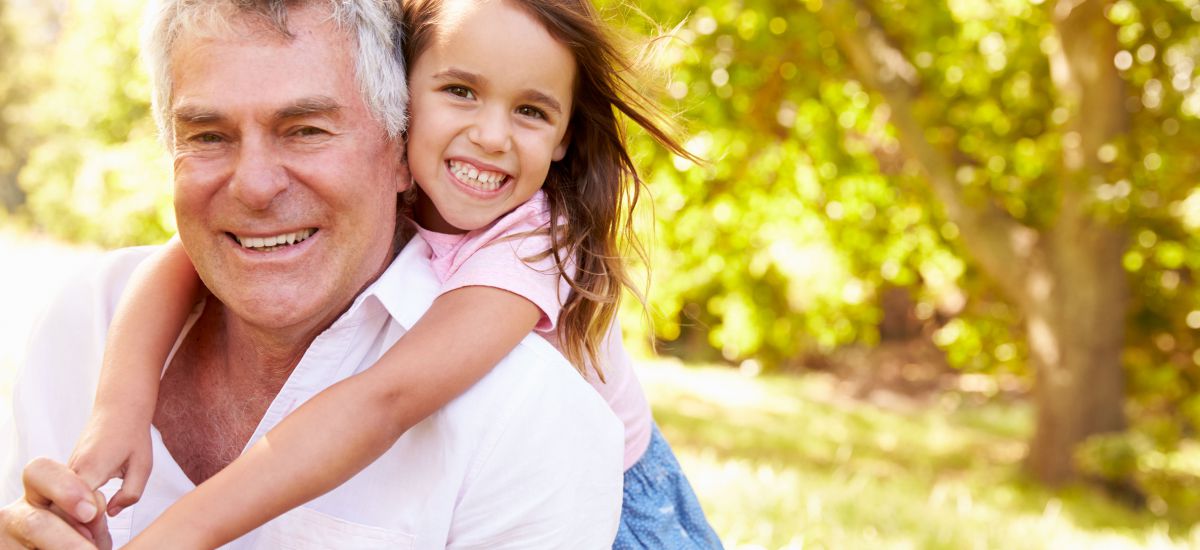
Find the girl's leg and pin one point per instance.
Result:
(660, 510)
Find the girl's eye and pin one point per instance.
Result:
(531, 112)
(460, 91)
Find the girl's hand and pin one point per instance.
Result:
(112, 446)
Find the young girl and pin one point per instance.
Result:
(524, 192)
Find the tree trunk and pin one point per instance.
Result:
(1068, 280)
(1075, 338)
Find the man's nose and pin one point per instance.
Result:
(492, 130)
(259, 175)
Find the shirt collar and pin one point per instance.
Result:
(405, 290)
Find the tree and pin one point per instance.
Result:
(1048, 137)
(10, 93)
(1067, 279)
(95, 171)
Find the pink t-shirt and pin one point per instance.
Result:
(484, 257)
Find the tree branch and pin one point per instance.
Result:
(1092, 91)
(1001, 244)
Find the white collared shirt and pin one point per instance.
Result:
(529, 457)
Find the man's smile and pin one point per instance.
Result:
(273, 242)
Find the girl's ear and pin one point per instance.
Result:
(561, 150)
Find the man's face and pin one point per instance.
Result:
(285, 186)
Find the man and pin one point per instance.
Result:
(283, 120)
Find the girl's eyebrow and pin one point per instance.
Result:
(534, 96)
(461, 76)
(477, 81)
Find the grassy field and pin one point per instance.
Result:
(784, 462)
(789, 462)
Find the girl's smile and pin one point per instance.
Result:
(482, 179)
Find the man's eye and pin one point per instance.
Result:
(207, 138)
(309, 131)
(460, 91)
(531, 112)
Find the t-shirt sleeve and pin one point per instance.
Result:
(513, 255)
(500, 266)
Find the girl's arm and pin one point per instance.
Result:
(148, 319)
(464, 334)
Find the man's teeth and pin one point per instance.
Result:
(479, 179)
(271, 243)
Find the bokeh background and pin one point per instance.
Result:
(935, 286)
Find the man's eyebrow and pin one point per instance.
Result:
(316, 105)
(309, 106)
(189, 114)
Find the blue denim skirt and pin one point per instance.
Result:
(660, 510)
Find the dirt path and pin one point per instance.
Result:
(32, 268)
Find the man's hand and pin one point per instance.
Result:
(59, 510)
(113, 445)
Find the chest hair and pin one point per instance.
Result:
(206, 413)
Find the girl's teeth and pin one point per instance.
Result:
(479, 179)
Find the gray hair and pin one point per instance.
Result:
(379, 64)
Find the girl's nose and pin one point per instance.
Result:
(492, 131)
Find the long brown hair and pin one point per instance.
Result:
(595, 187)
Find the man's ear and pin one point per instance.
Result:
(403, 175)
(561, 150)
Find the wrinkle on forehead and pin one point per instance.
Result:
(225, 19)
(229, 24)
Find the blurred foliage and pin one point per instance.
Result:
(95, 171)
(1169, 480)
(809, 212)
(11, 93)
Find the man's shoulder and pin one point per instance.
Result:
(540, 447)
(532, 379)
(60, 365)
(535, 380)
(86, 301)
(101, 281)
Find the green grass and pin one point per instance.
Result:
(786, 462)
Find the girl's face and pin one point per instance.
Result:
(491, 97)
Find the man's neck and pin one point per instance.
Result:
(223, 378)
(266, 354)
(218, 387)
